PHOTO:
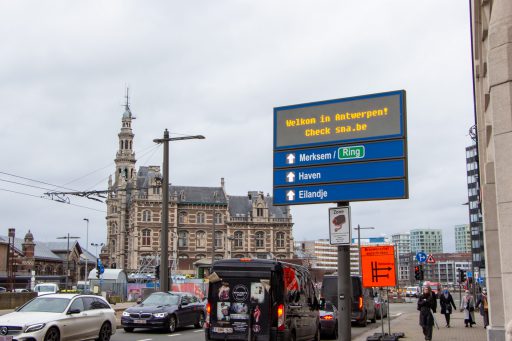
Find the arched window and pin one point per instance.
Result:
(238, 255)
(200, 239)
(239, 239)
(218, 256)
(183, 257)
(146, 215)
(218, 218)
(281, 256)
(260, 239)
(200, 256)
(182, 218)
(126, 144)
(146, 237)
(218, 239)
(280, 239)
(182, 239)
(200, 218)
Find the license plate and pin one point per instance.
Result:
(222, 330)
(140, 321)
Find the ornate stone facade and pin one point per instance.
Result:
(204, 222)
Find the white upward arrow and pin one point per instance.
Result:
(290, 177)
(290, 159)
(290, 195)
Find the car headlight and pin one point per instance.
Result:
(126, 314)
(34, 327)
(160, 315)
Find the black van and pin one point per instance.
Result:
(363, 304)
(256, 299)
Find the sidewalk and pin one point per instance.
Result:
(408, 324)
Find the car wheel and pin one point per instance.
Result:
(200, 321)
(364, 321)
(128, 329)
(105, 332)
(317, 334)
(335, 333)
(171, 327)
(52, 334)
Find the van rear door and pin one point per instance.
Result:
(240, 304)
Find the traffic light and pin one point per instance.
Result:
(417, 272)
(421, 273)
(157, 272)
(462, 276)
(98, 263)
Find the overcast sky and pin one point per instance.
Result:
(218, 68)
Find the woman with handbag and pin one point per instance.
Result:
(467, 305)
(427, 304)
(446, 302)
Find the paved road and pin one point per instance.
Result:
(191, 334)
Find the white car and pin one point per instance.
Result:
(56, 317)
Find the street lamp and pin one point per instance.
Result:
(86, 258)
(96, 246)
(358, 228)
(164, 235)
(67, 261)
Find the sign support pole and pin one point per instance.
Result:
(344, 290)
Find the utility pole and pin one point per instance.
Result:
(85, 252)
(358, 228)
(67, 256)
(165, 285)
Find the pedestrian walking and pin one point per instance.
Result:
(427, 305)
(446, 302)
(483, 305)
(467, 305)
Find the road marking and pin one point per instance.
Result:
(145, 340)
(174, 334)
(198, 331)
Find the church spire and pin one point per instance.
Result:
(125, 157)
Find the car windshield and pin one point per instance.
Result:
(46, 305)
(44, 288)
(161, 299)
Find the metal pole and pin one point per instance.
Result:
(213, 232)
(67, 265)
(344, 290)
(359, 247)
(164, 258)
(165, 281)
(86, 244)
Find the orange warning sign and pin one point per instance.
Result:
(378, 266)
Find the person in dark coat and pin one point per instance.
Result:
(446, 302)
(483, 305)
(427, 305)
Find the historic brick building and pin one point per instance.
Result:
(204, 222)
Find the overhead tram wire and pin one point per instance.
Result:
(45, 198)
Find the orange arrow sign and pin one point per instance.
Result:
(378, 266)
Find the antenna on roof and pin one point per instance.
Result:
(127, 105)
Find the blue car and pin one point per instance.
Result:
(165, 311)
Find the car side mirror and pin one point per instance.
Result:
(73, 311)
(139, 300)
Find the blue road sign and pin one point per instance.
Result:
(469, 274)
(356, 191)
(359, 171)
(340, 154)
(480, 280)
(421, 257)
(349, 149)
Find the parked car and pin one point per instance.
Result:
(21, 290)
(412, 292)
(380, 303)
(259, 299)
(165, 310)
(61, 317)
(363, 307)
(46, 288)
(2, 289)
(328, 319)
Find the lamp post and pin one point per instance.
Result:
(164, 235)
(86, 260)
(96, 246)
(359, 228)
(68, 237)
